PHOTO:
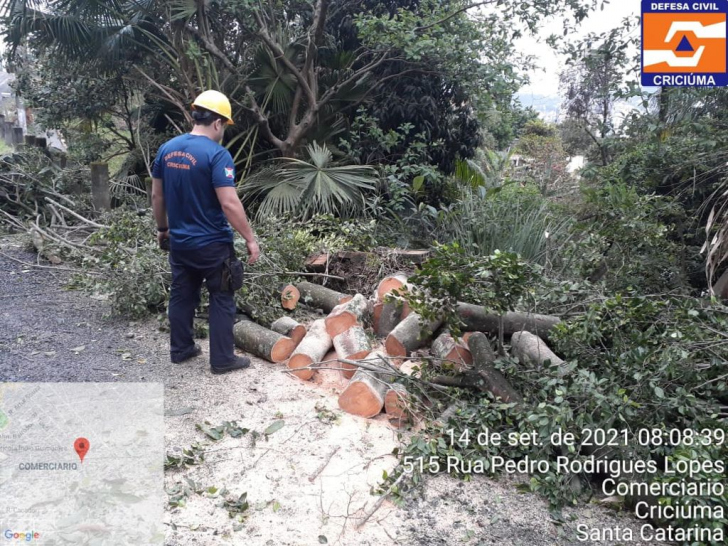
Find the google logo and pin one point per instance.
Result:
(27, 536)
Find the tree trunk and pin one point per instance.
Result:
(406, 337)
(390, 283)
(453, 352)
(345, 315)
(364, 396)
(483, 358)
(396, 401)
(259, 341)
(289, 327)
(386, 316)
(320, 297)
(352, 344)
(476, 319)
(528, 347)
(330, 360)
(720, 288)
(310, 351)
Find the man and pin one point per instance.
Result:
(195, 202)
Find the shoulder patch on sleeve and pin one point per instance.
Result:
(230, 172)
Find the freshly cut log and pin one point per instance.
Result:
(311, 350)
(259, 341)
(352, 344)
(289, 327)
(475, 318)
(344, 316)
(406, 337)
(289, 297)
(528, 347)
(364, 395)
(387, 284)
(386, 316)
(494, 381)
(454, 352)
(320, 297)
(383, 364)
(395, 401)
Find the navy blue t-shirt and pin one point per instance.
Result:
(191, 167)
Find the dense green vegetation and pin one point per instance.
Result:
(373, 124)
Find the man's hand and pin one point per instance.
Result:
(253, 252)
(163, 236)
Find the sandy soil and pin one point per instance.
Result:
(40, 323)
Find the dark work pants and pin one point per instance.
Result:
(189, 268)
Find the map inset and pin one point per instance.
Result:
(81, 463)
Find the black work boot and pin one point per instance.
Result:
(196, 351)
(239, 363)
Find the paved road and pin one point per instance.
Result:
(41, 322)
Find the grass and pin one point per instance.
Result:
(511, 220)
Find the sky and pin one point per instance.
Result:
(545, 79)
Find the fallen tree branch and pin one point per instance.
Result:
(380, 500)
(14, 220)
(76, 215)
(52, 267)
(297, 273)
(320, 469)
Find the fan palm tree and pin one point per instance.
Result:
(304, 188)
(95, 31)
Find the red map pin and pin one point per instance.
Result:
(81, 446)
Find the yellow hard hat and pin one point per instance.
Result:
(214, 101)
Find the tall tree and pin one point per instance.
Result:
(289, 74)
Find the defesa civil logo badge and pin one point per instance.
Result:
(684, 44)
(230, 172)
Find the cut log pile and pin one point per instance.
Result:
(343, 341)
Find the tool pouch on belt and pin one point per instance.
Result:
(232, 273)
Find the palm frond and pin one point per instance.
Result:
(273, 80)
(305, 188)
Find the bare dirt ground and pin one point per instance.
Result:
(50, 334)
